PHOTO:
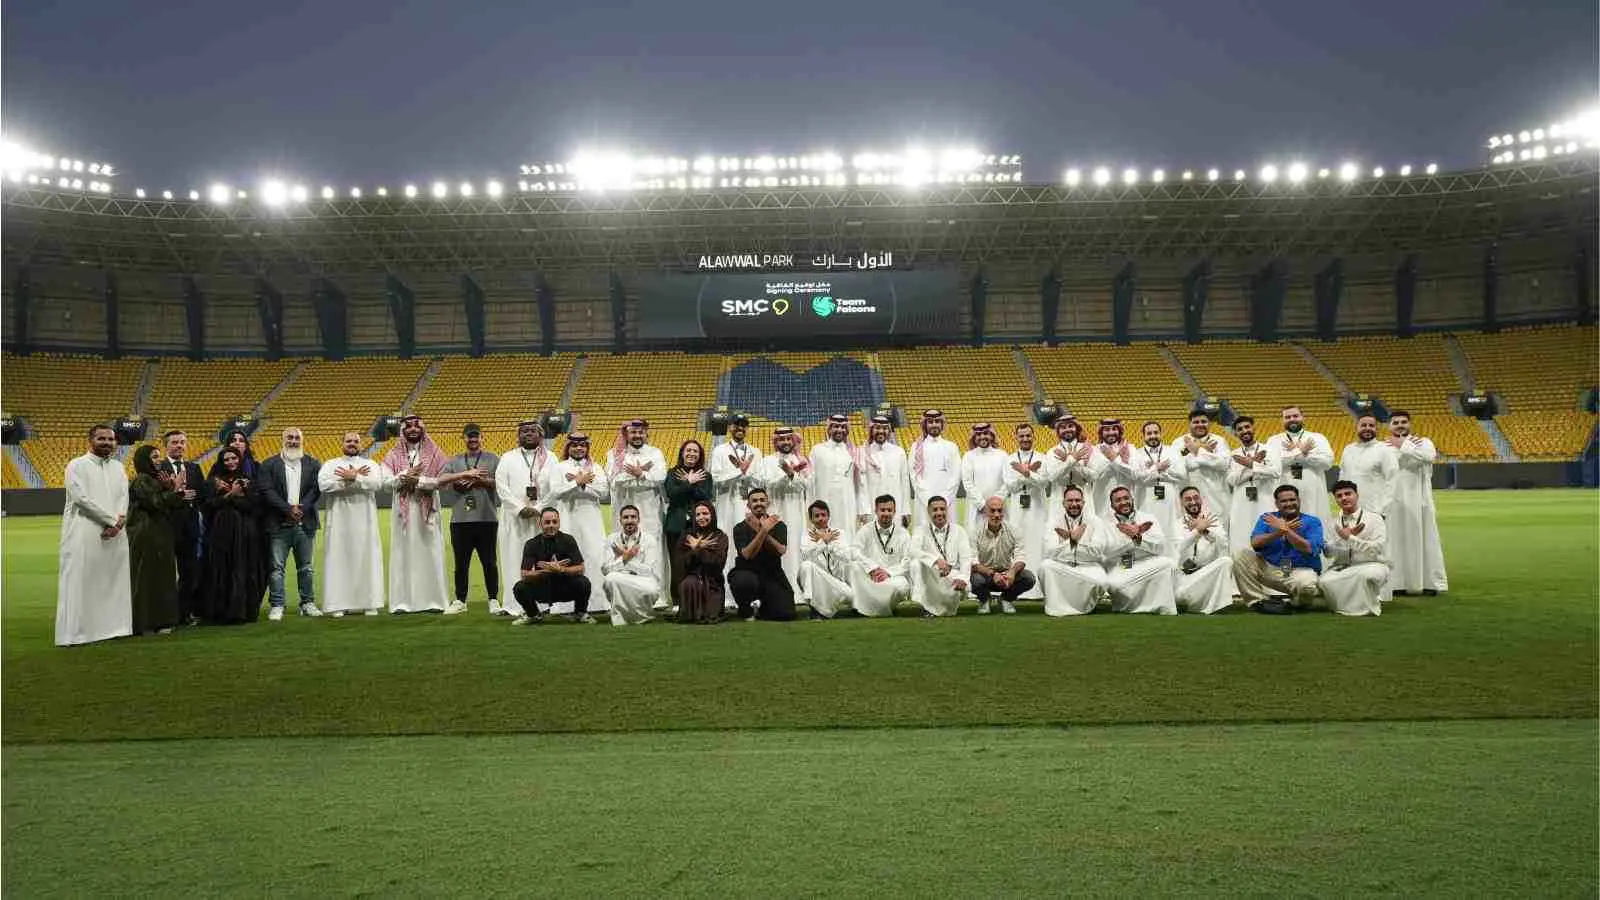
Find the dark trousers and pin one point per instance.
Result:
(190, 571)
(466, 537)
(548, 590)
(774, 592)
(983, 586)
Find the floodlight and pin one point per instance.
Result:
(440, 190)
(383, 192)
(1238, 175)
(77, 165)
(1539, 152)
(1102, 176)
(1524, 154)
(1538, 134)
(1158, 176)
(66, 164)
(220, 194)
(1130, 176)
(274, 192)
(1431, 168)
(1558, 129)
(466, 189)
(1377, 172)
(1213, 174)
(242, 195)
(1188, 175)
(64, 182)
(1297, 172)
(493, 189)
(139, 193)
(194, 195)
(1073, 177)
(94, 168)
(1268, 173)
(411, 190)
(1572, 146)
(1405, 171)
(1323, 172)
(1507, 139)
(1524, 136)
(1347, 171)
(1494, 142)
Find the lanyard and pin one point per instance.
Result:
(933, 533)
(885, 538)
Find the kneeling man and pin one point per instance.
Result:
(942, 562)
(552, 572)
(628, 573)
(1205, 580)
(881, 577)
(757, 577)
(1357, 578)
(825, 564)
(999, 560)
(1071, 572)
(1285, 554)
(1138, 570)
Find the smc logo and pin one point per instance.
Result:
(737, 308)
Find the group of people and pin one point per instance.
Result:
(1197, 524)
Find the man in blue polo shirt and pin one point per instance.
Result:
(1285, 555)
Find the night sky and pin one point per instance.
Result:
(179, 93)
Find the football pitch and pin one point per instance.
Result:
(1447, 748)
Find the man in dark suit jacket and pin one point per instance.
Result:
(188, 525)
(288, 486)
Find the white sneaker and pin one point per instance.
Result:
(983, 607)
(336, 615)
(586, 619)
(454, 607)
(275, 614)
(495, 609)
(373, 612)
(310, 610)
(661, 603)
(522, 620)
(1007, 607)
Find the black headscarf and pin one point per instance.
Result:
(218, 472)
(141, 460)
(709, 529)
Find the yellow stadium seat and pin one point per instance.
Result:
(329, 398)
(1134, 383)
(61, 396)
(495, 392)
(1260, 379)
(666, 389)
(1541, 376)
(968, 384)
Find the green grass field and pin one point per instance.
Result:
(1447, 748)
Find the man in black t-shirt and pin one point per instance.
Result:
(759, 541)
(552, 572)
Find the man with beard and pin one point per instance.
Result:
(553, 572)
(575, 486)
(1205, 580)
(825, 564)
(735, 469)
(941, 562)
(628, 572)
(352, 566)
(1071, 572)
(983, 471)
(289, 493)
(757, 578)
(834, 475)
(1285, 555)
(1116, 454)
(1027, 500)
(884, 470)
(786, 475)
(519, 477)
(1370, 463)
(1252, 474)
(1157, 477)
(1139, 569)
(474, 518)
(636, 472)
(1205, 459)
(1073, 462)
(883, 562)
(414, 470)
(1357, 578)
(1305, 458)
(935, 468)
(94, 591)
(1414, 546)
(188, 525)
(999, 561)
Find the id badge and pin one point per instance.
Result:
(1127, 560)
(1250, 492)
(471, 503)
(1297, 471)
(1161, 492)
(1190, 567)
(532, 492)
(1026, 500)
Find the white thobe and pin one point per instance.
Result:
(890, 551)
(1157, 490)
(579, 506)
(1063, 470)
(826, 568)
(1414, 547)
(94, 593)
(1244, 512)
(416, 549)
(885, 470)
(983, 475)
(1071, 573)
(1139, 576)
(1372, 466)
(352, 565)
(788, 496)
(645, 492)
(941, 476)
(1356, 581)
(1209, 588)
(1207, 469)
(1313, 462)
(631, 586)
(934, 592)
(1031, 523)
(1112, 474)
(833, 481)
(729, 485)
(517, 470)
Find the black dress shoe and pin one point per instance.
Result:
(1400, 593)
(1430, 592)
(1272, 606)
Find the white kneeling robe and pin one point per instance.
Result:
(730, 483)
(788, 494)
(1207, 586)
(1413, 525)
(888, 550)
(833, 481)
(1260, 478)
(631, 586)
(518, 470)
(1306, 468)
(1032, 522)
(94, 593)
(940, 476)
(644, 491)
(934, 592)
(1158, 479)
(1372, 466)
(1073, 578)
(416, 548)
(1356, 580)
(983, 475)
(1063, 469)
(826, 568)
(352, 565)
(579, 506)
(885, 469)
(1207, 468)
(1139, 575)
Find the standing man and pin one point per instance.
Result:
(576, 486)
(825, 564)
(352, 570)
(999, 560)
(289, 491)
(636, 472)
(1157, 478)
(1252, 475)
(935, 467)
(1414, 546)
(1116, 459)
(884, 470)
(552, 573)
(1285, 554)
(188, 526)
(1306, 457)
(883, 562)
(414, 470)
(1205, 564)
(1205, 459)
(1028, 500)
(834, 474)
(628, 572)
(1074, 463)
(983, 471)
(94, 592)
(1370, 463)
(735, 469)
(474, 518)
(786, 475)
(761, 540)
(519, 477)
(1138, 567)
(1357, 578)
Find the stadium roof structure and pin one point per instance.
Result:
(933, 225)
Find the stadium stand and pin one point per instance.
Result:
(331, 397)
(10, 478)
(969, 384)
(1540, 376)
(1260, 379)
(1133, 382)
(666, 389)
(496, 392)
(198, 396)
(60, 396)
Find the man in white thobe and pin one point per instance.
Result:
(1139, 571)
(826, 564)
(1252, 477)
(1205, 458)
(1304, 458)
(628, 572)
(1116, 460)
(1073, 462)
(935, 468)
(1074, 581)
(635, 473)
(1371, 464)
(885, 469)
(882, 575)
(577, 487)
(94, 593)
(1413, 525)
(1205, 564)
(1355, 581)
(1027, 494)
(518, 480)
(352, 566)
(414, 470)
(1157, 477)
(787, 477)
(941, 567)
(983, 471)
(834, 475)
(735, 469)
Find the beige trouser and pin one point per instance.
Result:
(1255, 576)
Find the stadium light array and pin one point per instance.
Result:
(1238, 175)
(1130, 176)
(1297, 172)
(219, 194)
(439, 190)
(1102, 176)
(1269, 174)
(411, 190)
(298, 193)
(166, 195)
(1557, 139)
(1158, 176)
(274, 193)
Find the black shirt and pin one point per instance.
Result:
(542, 548)
(767, 560)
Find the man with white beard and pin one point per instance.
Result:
(1205, 460)
(826, 564)
(414, 470)
(1026, 492)
(575, 486)
(1305, 458)
(834, 476)
(1074, 462)
(1157, 476)
(1356, 580)
(1413, 525)
(287, 485)
(94, 592)
(935, 468)
(635, 473)
(884, 470)
(1370, 463)
(628, 572)
(1205, 565)
(1139, 571)
(518, 480)
(787, 477)
(352, 565)
(999, 562)
(983, 471)
(1252, 476)
(941, 563)
(883, 562)
(735, 469)
(1073, 578)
